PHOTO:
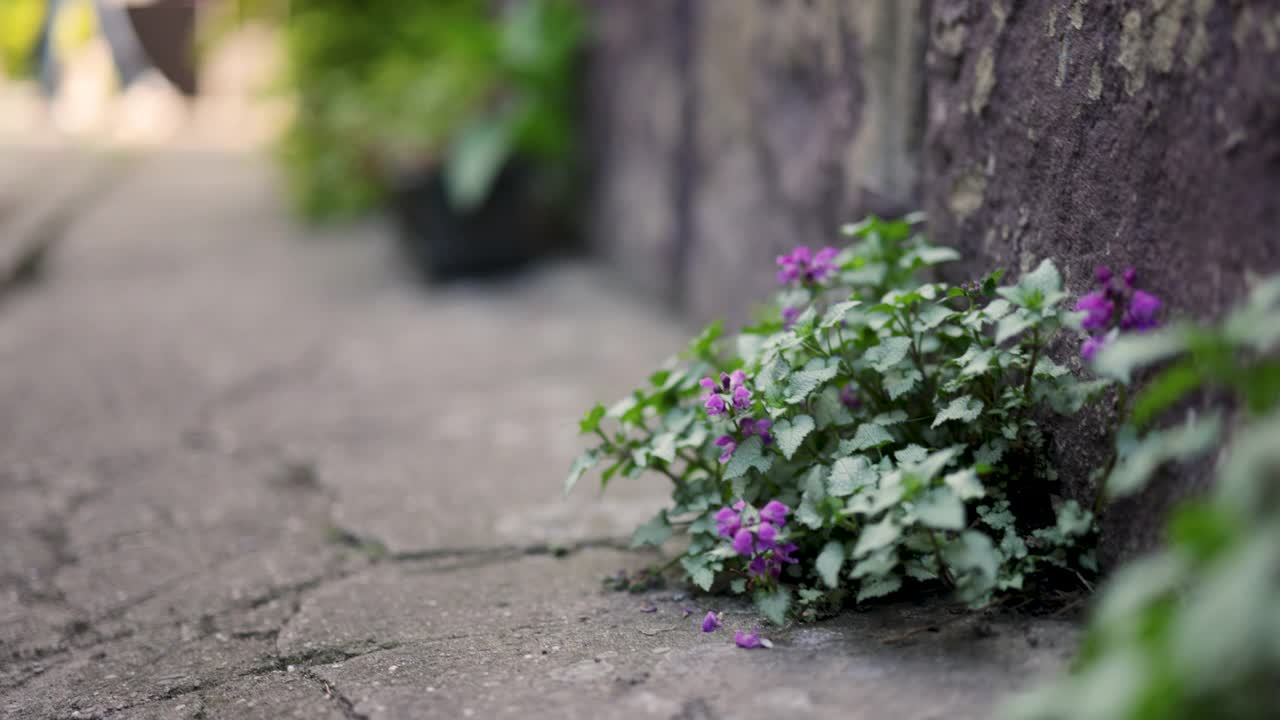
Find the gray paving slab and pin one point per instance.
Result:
(254, 469)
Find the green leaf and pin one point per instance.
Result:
(748, 454)
(664, 447)
(580, 466)
(813, 493)
(876, 536)
(1164, 390)
(591, 421)
(1130, 351)
(965, 484)
(1011, 325)
(1158, 447)
(789, 434)
(933, 255)
(803, 382)
(990, 452)
(655, 532)
(879, 588)
(901, 381)
(931, 316)
(965, 409)
(828, 410)
(474, 161)
(878, 563)
(925, 471)
(977, 364)
(836, 313)
(893, 417)
(973, 552)
(941, 509)
(869, 435)
(774, 604)
(829, 562)
(888, 353)
(704, 346)
(699, 572)
(911, 454)
(849, 474)
(1045, 278)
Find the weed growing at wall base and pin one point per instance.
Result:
(875, 432)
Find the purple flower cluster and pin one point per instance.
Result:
(805, 266)
(758, 540)
(730, 391)
(746, 428)
(1114, 307)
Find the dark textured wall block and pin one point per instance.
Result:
(1122, 133)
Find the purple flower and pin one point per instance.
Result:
(1130, 276)
(849, 398)
(1104, 274)
(823, 264)
(1141, 315)
(789, 315)
(775, 512)
(783, 553)
(741, 397)
(736, 379)
(758, 566)
(728, 522)
(726, 442)
(1091, 347)
(710, 622)
(1099, 310)
(801, 264)
(714, 404)
(766, 534)
(762, 429)
(745, 641)
(743, 542)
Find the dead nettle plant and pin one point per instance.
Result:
(874, 433)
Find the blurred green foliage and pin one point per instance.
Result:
(386, 87)
(20, 22)
(1193, 630)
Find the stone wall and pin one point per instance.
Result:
(1122, 132)
(729, 130)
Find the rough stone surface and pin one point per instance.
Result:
(256, 471)
(1127, 133)
(639, 102)
(745, 129)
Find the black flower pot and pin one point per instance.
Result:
(511, 228)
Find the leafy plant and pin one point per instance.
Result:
(386, 87)
(20, 22)
(1192, 631)
(873, 431)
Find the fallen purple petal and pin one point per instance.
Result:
(747, 641)
(710, 622)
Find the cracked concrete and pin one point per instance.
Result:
(254, 470)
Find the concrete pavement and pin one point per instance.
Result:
(250, 469)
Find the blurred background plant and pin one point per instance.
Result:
(1193, 630)
(388, 90)
(20, 24)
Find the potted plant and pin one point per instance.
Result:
(456, 112)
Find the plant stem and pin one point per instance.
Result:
(942, 564)
(1122, 400)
